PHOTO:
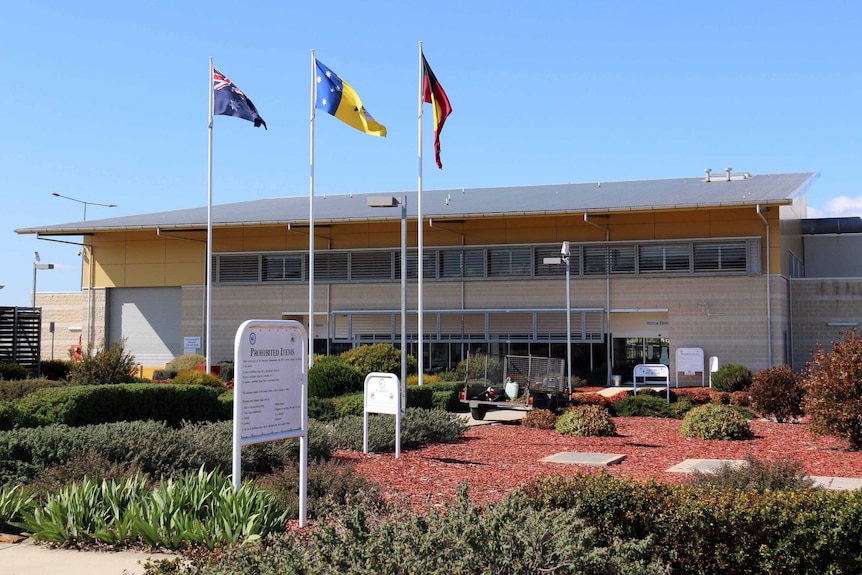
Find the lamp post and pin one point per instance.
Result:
(83, 202)
(564, 253)
(391, 202)
(37, 265)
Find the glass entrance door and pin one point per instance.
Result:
(631, 351)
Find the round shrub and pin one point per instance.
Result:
(590, 399)
(332, 376)
(540, 419)
(108, 365)
(833, 391)
(186, 362)
(353, 404)
(715, 421)
(321, 408)
(586, 421)
(731, 377)
(777, 392)
(197, 377)
(56, 369)
(12, 371)
(643, 406)
(379, 357)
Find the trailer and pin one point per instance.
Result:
(522, 382)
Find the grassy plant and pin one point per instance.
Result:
(107, 365)
(756, 475)
(14, 500)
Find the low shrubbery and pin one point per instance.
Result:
(18, 388)
(644, 405)
(378, 357)
(585, 421)
(715, 421)
(418, 427)
(12, 371)
(776, 392)
(186, 362)
(198, 377)
(833, 391)
(540, 419)
(756, 475)
(731, 377)
(332, 377)
(55, 369)
(108, 365)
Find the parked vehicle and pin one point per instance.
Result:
(528, 382)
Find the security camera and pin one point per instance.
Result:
(564, 251)
(79, 252)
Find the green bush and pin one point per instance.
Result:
(704, 529)
(731, 377)
(18, 388)
(164, 374)
(331, 377)
(56, 369)
(479, 367)
(12, 371)
(833, 391)
(642, 405)
(418, 427)
(226, 371)
(448, 401)
(379, 357)
(105, 366)
(777, 392)
(586, 421)
(683, 404)
(352, 404)
(590, 399)
(198, 377)
(328, 484)
(712, 421)
(93, 404)
(186, 362)
(756, 475)
(321, 408)
(14, 501)
(540, 419)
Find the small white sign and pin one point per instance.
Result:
(192, 342)
(382, 393)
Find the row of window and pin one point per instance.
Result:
(734, 256)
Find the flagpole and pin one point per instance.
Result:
(208, 282)
(419, 226)
(311, 216)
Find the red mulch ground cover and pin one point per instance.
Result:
(493, 459)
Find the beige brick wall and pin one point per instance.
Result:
(818, 303)
(66, 310)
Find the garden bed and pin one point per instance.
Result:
(494, 459)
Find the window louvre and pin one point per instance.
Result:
(375, 265)
(238, 268)
(510, 262)
(720, 257)
(282, 268)
(330, 266)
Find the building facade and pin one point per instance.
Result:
(715, 262)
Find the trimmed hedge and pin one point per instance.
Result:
(94, 404)
(708, 530)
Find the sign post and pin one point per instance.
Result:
(652, 372)
(689, 360)
(382, 395)
(270, 396)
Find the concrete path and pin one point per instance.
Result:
(27, 558)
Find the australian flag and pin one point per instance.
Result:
(228, 100)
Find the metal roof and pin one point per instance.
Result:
(556, 199)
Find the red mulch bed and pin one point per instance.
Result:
(493, 459)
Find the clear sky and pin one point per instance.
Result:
(107, 101)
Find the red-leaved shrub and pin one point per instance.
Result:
(777, 392)
(833, 391)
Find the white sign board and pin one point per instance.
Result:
(649, 373)
(689, 360)
(270, 395)
(191, 344)
(383, 395)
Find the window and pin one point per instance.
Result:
(664, 258)
(282, 268)
(509, 262)
(451, 263)
(595, 260)
(720, 257)
(330, 266)
(622, 259)
(238, 268)
(375, 265)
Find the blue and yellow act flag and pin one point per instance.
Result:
(337, 97)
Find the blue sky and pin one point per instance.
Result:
(107, 102)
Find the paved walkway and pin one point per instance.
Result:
(27, 558)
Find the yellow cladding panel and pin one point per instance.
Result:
(145, 275)
(184, 274)
(180, 251)
(109, 275)
(110, 253)
(145, 252)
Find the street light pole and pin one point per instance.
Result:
(389, 202)
(564, 252)
(83, 202)
(37, 266)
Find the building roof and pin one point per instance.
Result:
(721, 190)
